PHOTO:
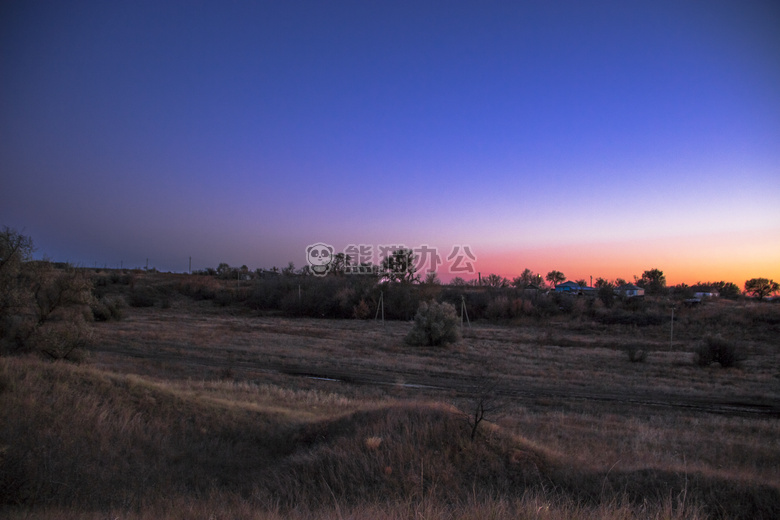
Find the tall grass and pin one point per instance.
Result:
(76, 439)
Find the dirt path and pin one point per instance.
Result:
(442, 381)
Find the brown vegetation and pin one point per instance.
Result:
(186, 409)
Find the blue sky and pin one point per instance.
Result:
(599, 138)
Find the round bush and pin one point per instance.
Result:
(715, 349)
(434, 324)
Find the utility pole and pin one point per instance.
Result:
(190, 269)
(381, 307)
(463, 312)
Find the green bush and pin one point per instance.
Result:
(434, 324)
(715, 349)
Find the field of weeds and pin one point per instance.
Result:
(187, 409)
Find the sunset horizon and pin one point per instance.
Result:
(598, 141)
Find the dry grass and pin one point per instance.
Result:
(191, 411)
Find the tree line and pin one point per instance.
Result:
(400, 267)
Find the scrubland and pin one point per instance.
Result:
(188, 407)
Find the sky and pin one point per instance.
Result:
(598, 138)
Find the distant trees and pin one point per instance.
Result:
(432, 278)
(723, 289)
(338, 265)
(399, 266)
(652, 281)
(606, 291)
(555, 277)
(727, 290)
(526, 278)
(494, 280)
(761, 287)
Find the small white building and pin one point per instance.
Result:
(629, 290)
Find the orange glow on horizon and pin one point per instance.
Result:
(731, 257)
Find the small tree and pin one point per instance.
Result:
(727, 290)
(606, 291)
(400, 266)
(41, 308)
(652, 281)
(434, 324)
(526, 278)
(15, 250)
(432, 278)
(484, 402)
(494, 280)
(761, 287)
(555, 277)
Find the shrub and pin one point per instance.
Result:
(636, 354)
(715, 349)
(65, 339)
(624, 317)
(434, 324)
(361, 311)
(142, 298)
(107, 308)
(499, 308)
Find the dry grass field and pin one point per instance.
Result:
(192, 410)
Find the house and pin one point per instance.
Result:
(701, 295)
(629, 290)
(568, 287)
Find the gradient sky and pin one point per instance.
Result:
(595, 138)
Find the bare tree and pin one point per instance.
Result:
(40, 306)
(484, 399)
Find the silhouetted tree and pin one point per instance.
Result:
(399, 266)
(494, 280)
(606, 291)
(727, 289)
(432, 278)
(526, 278)
(338, 264)
(555, 277)
(761, 287)
(652, 281)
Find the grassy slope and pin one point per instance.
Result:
(78, 439)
